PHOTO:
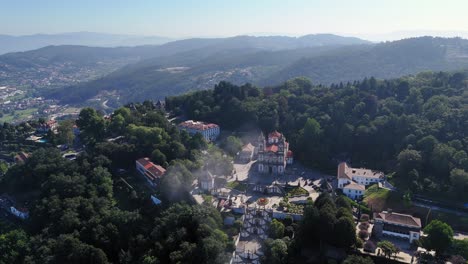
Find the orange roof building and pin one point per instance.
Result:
(151, 171)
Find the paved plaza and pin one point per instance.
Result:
(257, 218)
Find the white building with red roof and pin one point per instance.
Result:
(209, 131)
(397, 225)
(151, 171)
(273, 153)
(353, 181)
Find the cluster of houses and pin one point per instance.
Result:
(353, 183)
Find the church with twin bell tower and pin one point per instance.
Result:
(273, 154)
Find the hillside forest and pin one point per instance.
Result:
(413, 128)
(92, 209)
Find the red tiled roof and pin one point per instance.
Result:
(346, 172)
(144, 162)
(155, 170)
(271, 148)
(355, 186)
(397, 218)
(275, 134)
(342, 167)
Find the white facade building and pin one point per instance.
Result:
(397, 225)
(353, 181)
(209, 131)
(354, 191)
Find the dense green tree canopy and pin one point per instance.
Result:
(276, 251)
(388, 248)
(418, 122)
(439, 236)
(76, 207)
(353, 259)
(276, 229)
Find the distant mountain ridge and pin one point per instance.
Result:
(58, 66)
(30, 42)
(383, 60)
(154, 72)
(202, 68)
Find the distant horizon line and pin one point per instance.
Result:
(373, 37)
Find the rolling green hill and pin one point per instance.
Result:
(385, 60)
(59, 66)
(203, 67)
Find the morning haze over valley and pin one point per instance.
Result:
(234, 132)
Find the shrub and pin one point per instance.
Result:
(289, 231)
(364, 226)
(297, 191)
(283, 204)
(359, 243)
(369, 246)
(364, 209)
(416, 243)
(238, 225)
(457, 259)
(364, 218)
(230, 245)
(288, 220)
(363, 234)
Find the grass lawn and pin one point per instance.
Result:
(20, 114)
(70, 110)
(296, 191)
(382, 199)
(242, 187)
(208, 199)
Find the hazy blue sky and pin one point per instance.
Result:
(184, 18)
